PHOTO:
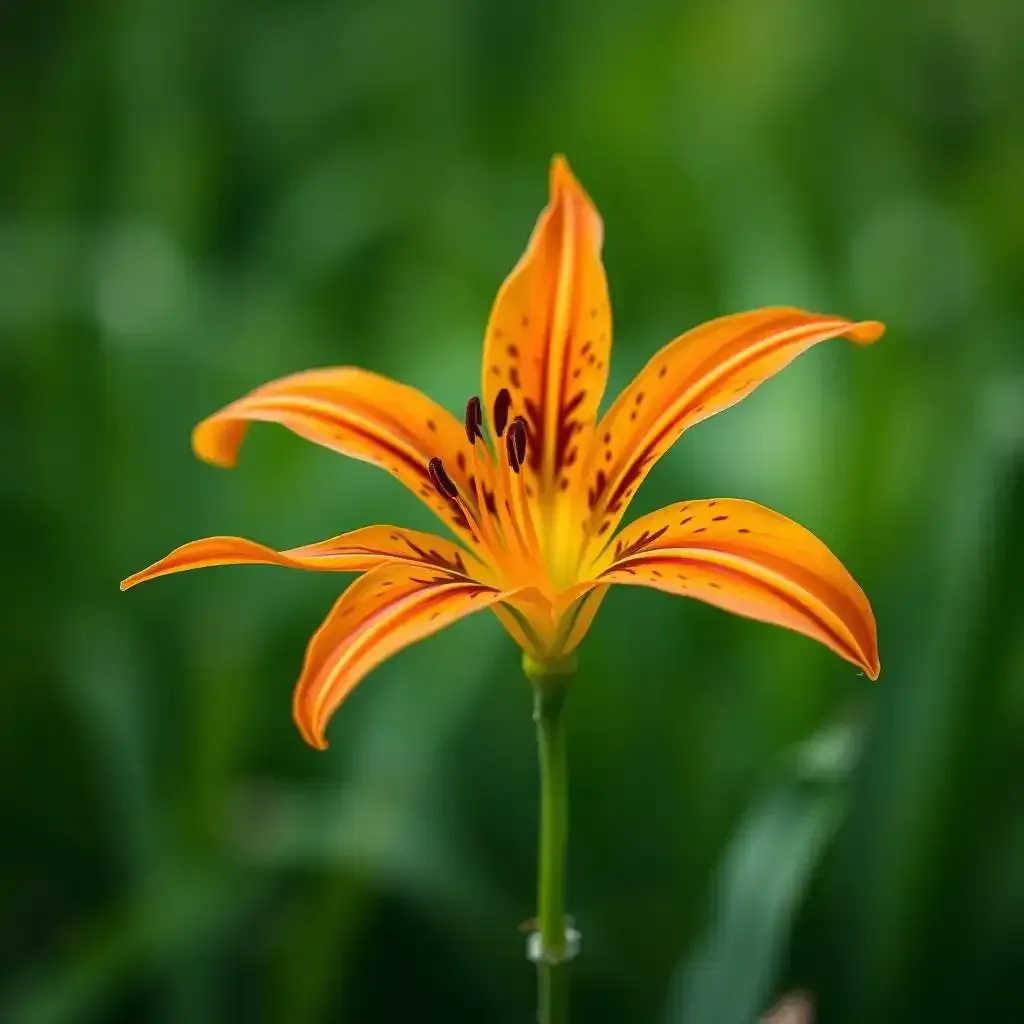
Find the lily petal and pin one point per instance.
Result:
(580, 617)
(700, 373)
(523, 628)
(748, 560)
(356, 551)
(549, 335)
(356, 413)
(381, 613)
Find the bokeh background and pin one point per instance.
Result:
(199, 195)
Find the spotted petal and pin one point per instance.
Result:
(381, 613)
(700, 373)
(356, 413)
(751, 561)
(549, 336)
(356, 551)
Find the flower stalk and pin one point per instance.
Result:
(554, 944)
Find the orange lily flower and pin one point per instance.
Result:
(535, 509)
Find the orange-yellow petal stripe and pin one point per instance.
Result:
(751, 561)
(359, 414)
(356, 551)
(699, 374)
(381, 613)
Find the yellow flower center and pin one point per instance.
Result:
(512, 534)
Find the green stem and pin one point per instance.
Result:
(553, 944)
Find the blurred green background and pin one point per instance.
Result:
(199, 195)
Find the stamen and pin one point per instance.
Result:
(441, 480)
(491, 536)
(474, 420)
(502, 404)
(516, 444)
(509, 515)
(446, 488)
(518, 432)
(510, 450)
(492, 532)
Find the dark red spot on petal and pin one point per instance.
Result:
(644, 541)
(719, 519)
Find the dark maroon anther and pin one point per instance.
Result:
(502, 404)
(510, 450)
(441, 480)
(517, 430)
(474, 420)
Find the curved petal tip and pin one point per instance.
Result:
(313, 734)
(866, 332)
(565, 191)
(560, 170)
(562, 180)
(217, 441)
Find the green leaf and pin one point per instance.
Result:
(730, 975)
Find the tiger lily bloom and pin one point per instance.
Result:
(535, 498)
